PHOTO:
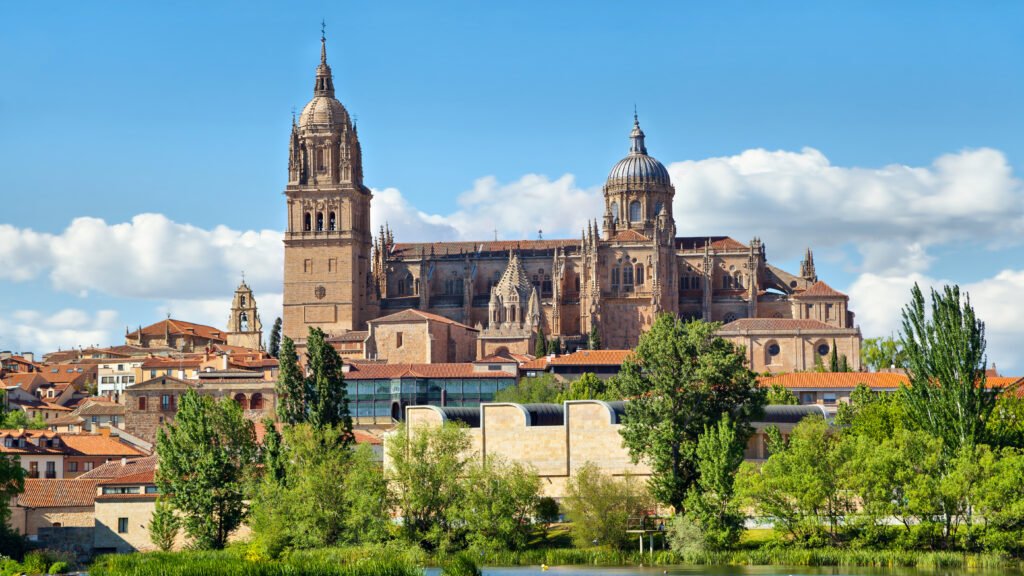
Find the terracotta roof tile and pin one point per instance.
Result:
(411, 250)
(181, 327)
(350, 336)
(27, 381)
(537, 364)
(630, 236)
(98, 445)
(820, 290)
(776, 324)
(443, 370)
(839, 380)
(116, 469)
(143, 477)
(592, 358)
(57, 493)
(413, 315)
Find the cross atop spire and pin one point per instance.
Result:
(324, 81)
(637, 136)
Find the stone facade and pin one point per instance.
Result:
(615, 278)
(558, 439)
(414, 337)
(244, 326)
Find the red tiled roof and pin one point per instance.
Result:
(97, 407)
(409, 249)
(696, 243)
(116, 469)
(57, 493)
(591, 358)
(776, 324)
(413, 315)
(443, 370)
(179, 328)
(629, 236)
(27, 381)
(820, 290)
(361, 436)
(537, 364)
(98, 445)
(839, 380)
(350, 336)
(143, 477)
(66, 373)
(163, 363)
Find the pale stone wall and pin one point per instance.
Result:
(415, 348)
(797, 352)
(28, 521)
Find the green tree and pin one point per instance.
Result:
(498, 504)
(326, 396)
(594, 338)
(681, 378)
(1005, 426)
(600, 507)
(275, 339)
(424, 477)
(779, 394)
(882, 354)
(541, 389)
(587, 387)
(946, 362)
(12, 483)
(366, 498)
(1000, 502)
(540, 348)
(819, 366)
(711, 502)
(163, 525)
(844, 364)
(833, 358)
(555, 345)
(204, 457)
(547, 512)
(272, 455)
(291, 386)
(801, 483)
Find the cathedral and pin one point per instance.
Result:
(626, 266)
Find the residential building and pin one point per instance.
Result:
(91, 415)
(85, 452)
(416, 337)
(117, 374)
(40, 452)
(52, 503)
(178, 335)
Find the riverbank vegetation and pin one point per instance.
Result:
(928, 476)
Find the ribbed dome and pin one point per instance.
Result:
(638, 167)
(323, 110)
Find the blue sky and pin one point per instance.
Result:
(889, 139)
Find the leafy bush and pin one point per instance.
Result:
(460, 565)
(58, 568)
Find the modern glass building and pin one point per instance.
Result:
(379, 393)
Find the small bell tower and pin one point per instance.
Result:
(244, 326)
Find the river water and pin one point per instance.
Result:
(727, 571)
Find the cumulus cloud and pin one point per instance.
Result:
(879, 299)
(31, 330)
(892, 214)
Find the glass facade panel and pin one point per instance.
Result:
(470, 389)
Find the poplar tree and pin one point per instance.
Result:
(326, 396)
(945, 353)
(290, 387)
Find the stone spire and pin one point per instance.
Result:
(324, 80)
(807, 266)
(637, 136)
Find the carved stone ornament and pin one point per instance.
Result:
(320, 292)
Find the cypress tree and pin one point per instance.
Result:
(844, 364)
(594, 340)
(275, 339)
(541, 346)
(833, 359)
(290, 387)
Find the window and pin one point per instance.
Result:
(319, 221)
(823, 349)
(87, 466)
(241, 401)
(72, 466)
(152, 490)
(398, 339)
(256, 401)
(51, 469)
(113, 420)
(615, 211)
(738, 280)
(830, 397)
(243, 320)
(615, 278)
(730, 317)
(639, 274)
(332, 265)
(122, 525)
(142, 402)
(332, 222)
(627, 276)
(807, 397)
(657, 208)
(307, 266)
(167, 402)
(635, 211)
(307, 222)
(774, 349)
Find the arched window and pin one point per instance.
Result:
(319, 221)
(307, 222)
(577, 281)
(635, 214)
(332, 222)
(627, 275)
(738, 280)
(256, 402)
(243, 321)
(409, 283)
(241, 401)
(615, 278)
(639, 274)
(615, 211)
(726, 281)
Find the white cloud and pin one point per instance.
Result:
(215, 311)
(30, 330)
(24, 253)
(878, 301)
(891, 214)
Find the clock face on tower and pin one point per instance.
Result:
(320, 292)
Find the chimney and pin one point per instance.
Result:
(226, 357)
(124, 461)
(32, 357)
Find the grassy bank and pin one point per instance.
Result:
(234, 562)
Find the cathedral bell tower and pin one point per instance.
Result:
(327, 242)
